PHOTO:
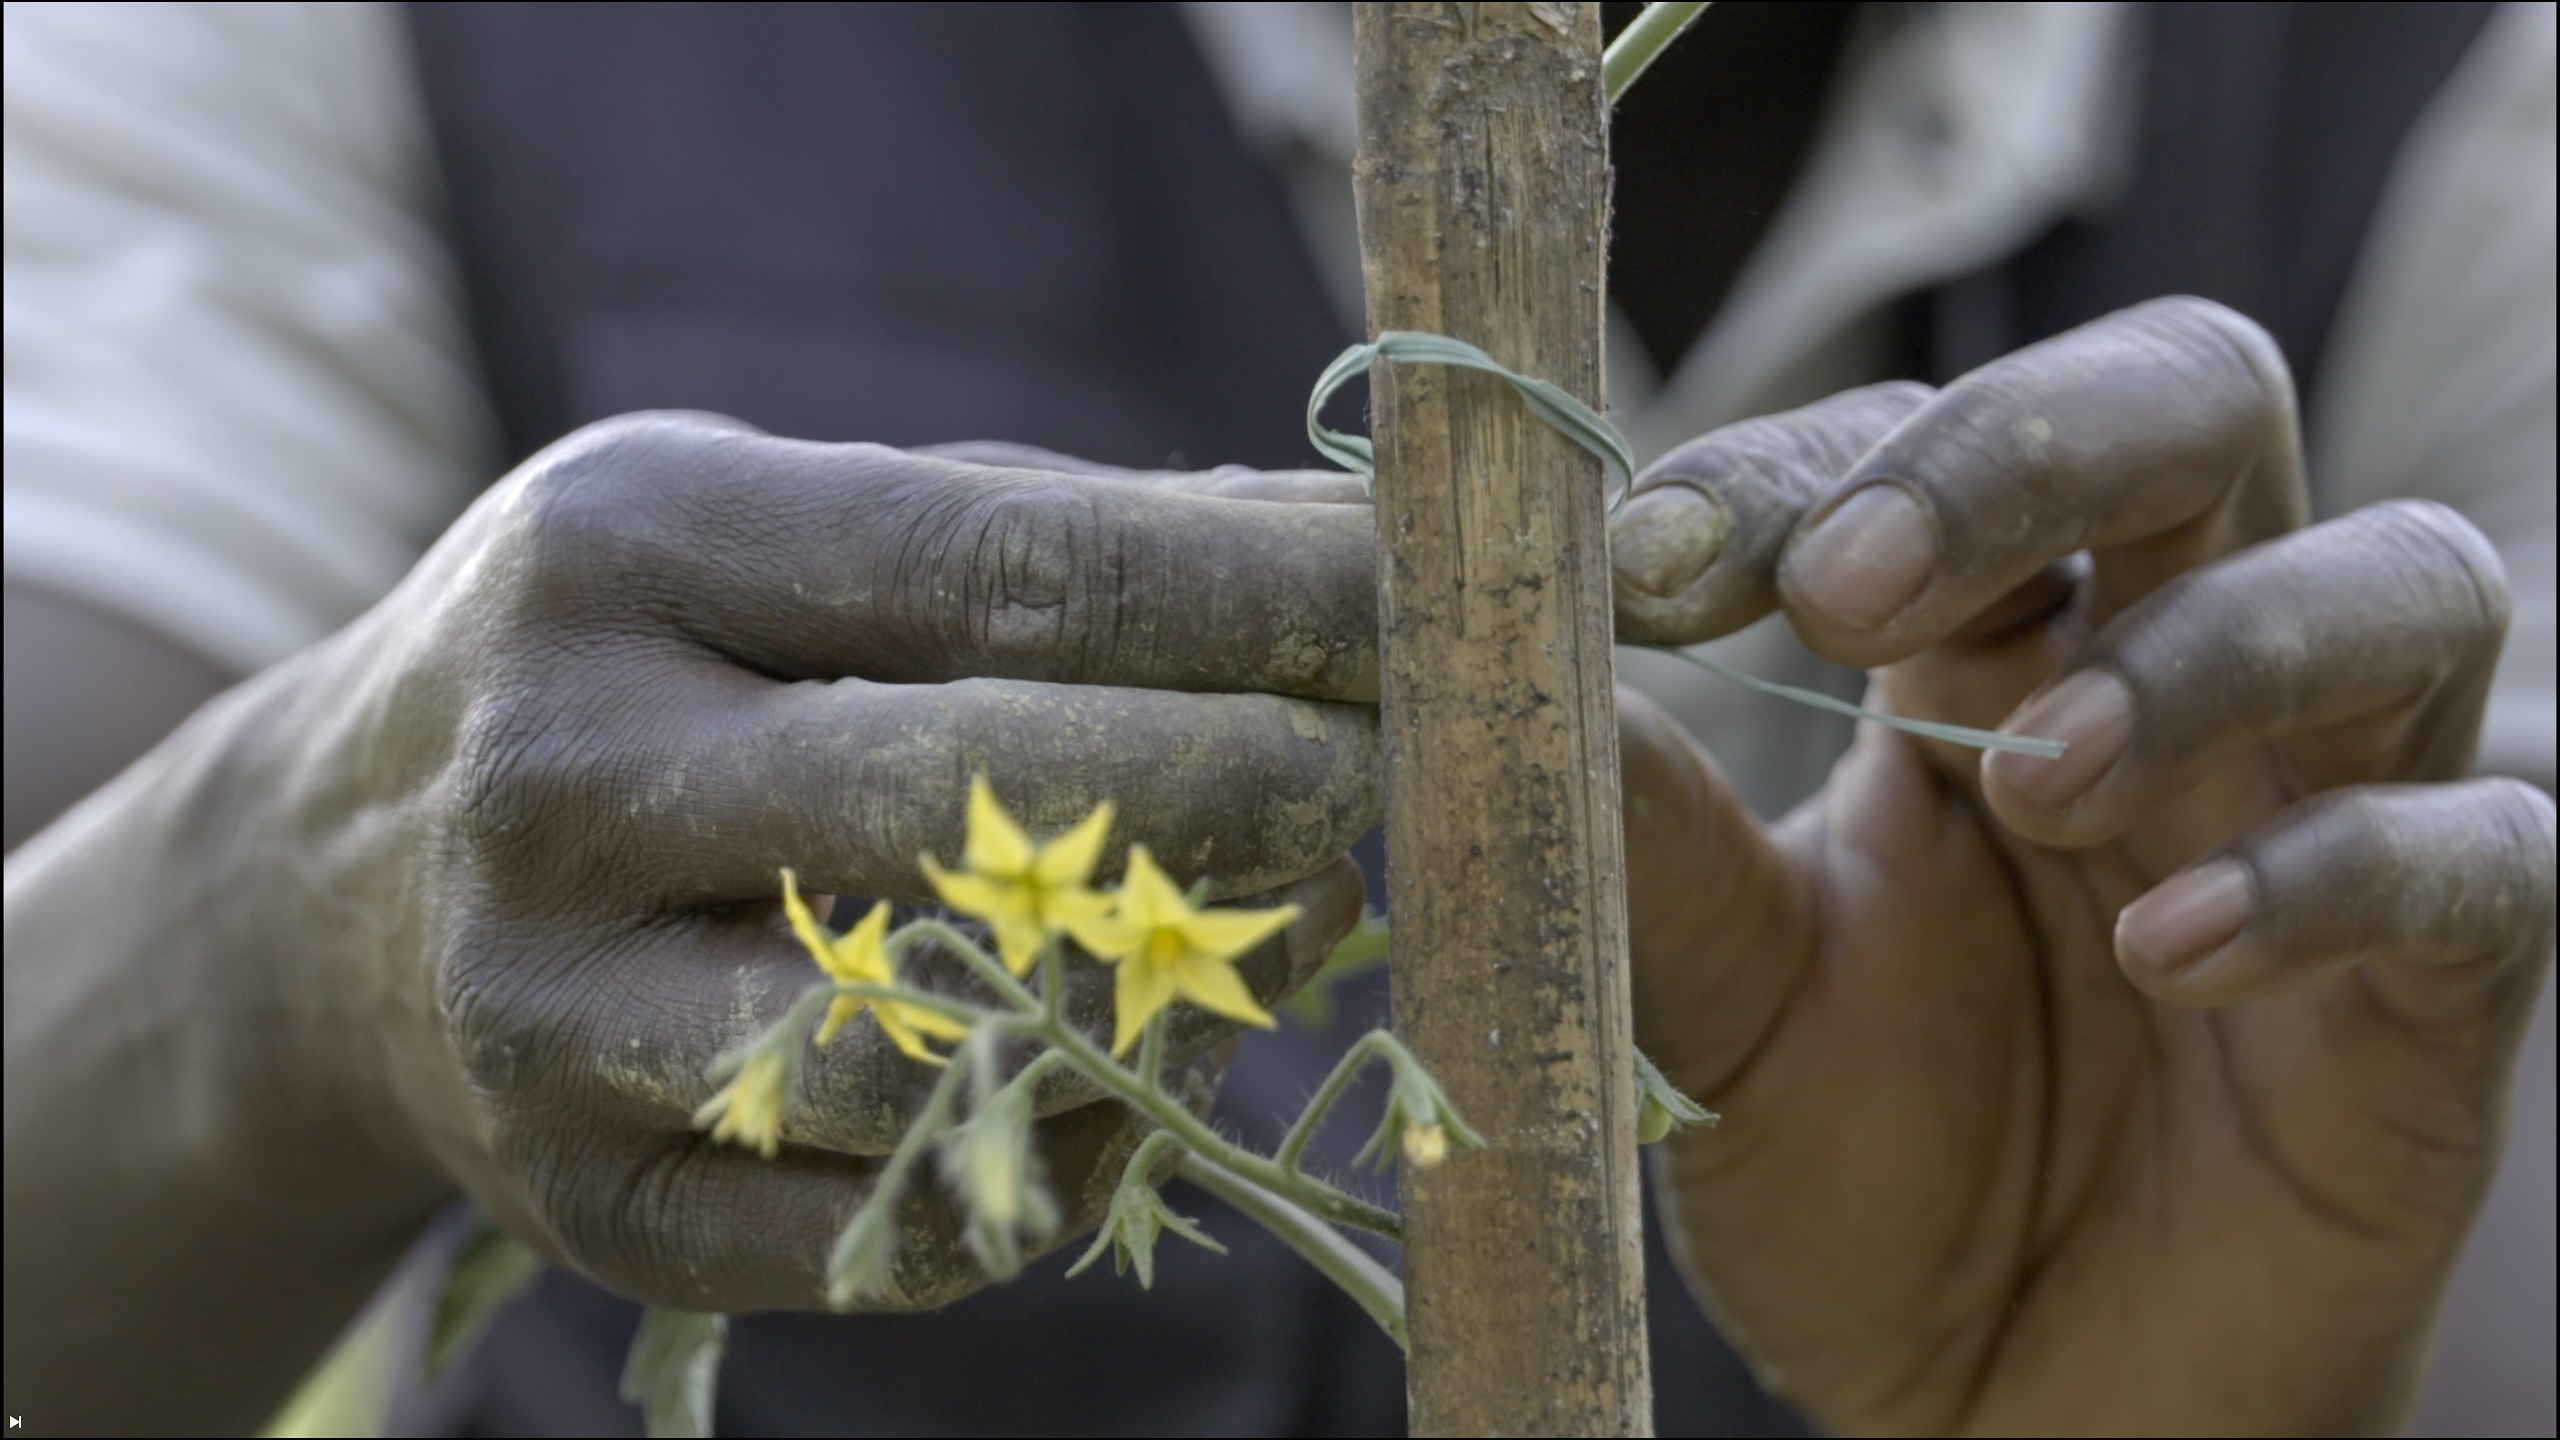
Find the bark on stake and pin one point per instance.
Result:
(1483, 183)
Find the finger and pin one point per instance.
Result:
(1011, 455)
(1288, 487)
(804, 560)
(680, 1221)
(630, 1038)
(2444, 887)
(2368, 641)
(1695, 550)
(1719, 923)
(1232, 482)
(851, 782)
(2157, 438)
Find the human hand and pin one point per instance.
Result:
(2148, 1089)
(549, 782)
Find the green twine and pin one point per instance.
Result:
(1584, 426)
(1578, 422)
(1933, 729)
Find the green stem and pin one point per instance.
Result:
(1342, 1262)
(1142, 1163)
(892, 1185)
(1295, 1142)
(1642, 41)
(1151, 1051)
(960, 1010)
(1037, 1069)
(988, 967)
(1305, 1190)
(800, 1019)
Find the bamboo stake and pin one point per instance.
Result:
(1483, 186)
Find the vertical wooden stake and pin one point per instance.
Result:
(1483, 183)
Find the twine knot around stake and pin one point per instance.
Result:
(1576, 421)
(1592, 431)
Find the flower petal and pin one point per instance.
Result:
(1066, 907)
(748, 1110)
(1148, 897)
(1213, 985)
(861, 953)
(1068, 860)
(996, 845)
(928, 1021)
(973, 894)
(893, 1023)
(1018, 940)
(1106, 935)
(1227, 934)
(840, 1012)
(1142, 991)
(804, 925)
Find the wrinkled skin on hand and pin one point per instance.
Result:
(2148, 1089)
(2152, 1088)
(552, 778)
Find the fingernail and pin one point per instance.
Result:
(2187, 918)
(1666, 538)
(1867, 559)
(2092, 714)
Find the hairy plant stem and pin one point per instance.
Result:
(1294, 1144)
(1314, 1195)
(1324, 1247)
(890, 1188)
(1151, 1054)
(1041, 1017)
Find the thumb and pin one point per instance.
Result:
(1718, 920)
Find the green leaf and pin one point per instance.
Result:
(1358, 953)
(1138, 1214)
(490, 1268)
(673, 1372)
(1661, 1108)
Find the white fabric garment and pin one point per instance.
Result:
(240, 400)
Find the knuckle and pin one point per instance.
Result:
(2463, 872)
(1023, 564)
(515, 998)
(566, 765)
(604, 502)
(522, 762)
(2447, 561)
(2209, 330)
(2521, 872)
(621, 1217)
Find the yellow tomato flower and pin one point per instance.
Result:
(860, 956)
(1027, 893)
(748, 1110)
(1164, 947)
